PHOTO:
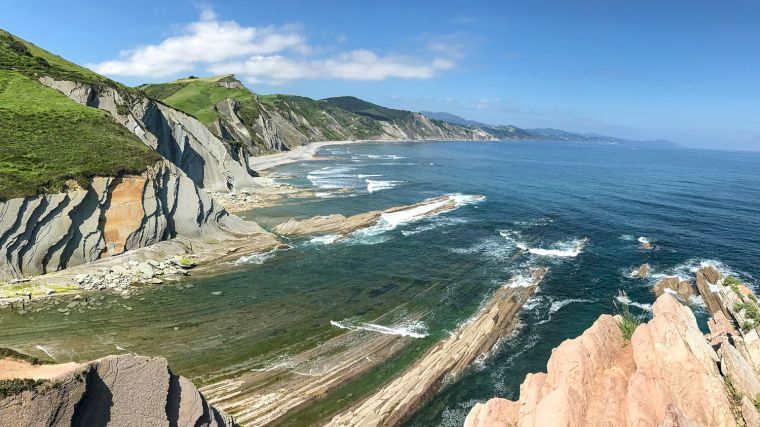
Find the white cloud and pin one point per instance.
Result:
(265, 54)
(353, 65)
(205, 41)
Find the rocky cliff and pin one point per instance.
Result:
(112, 215)
(114, 391)
(265, 124)
(667, 374)
(181, 139)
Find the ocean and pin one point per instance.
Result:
(580, 210)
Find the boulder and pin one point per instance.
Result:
(145, 270)
(681, 287)
(642, 272)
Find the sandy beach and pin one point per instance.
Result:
(303, 152)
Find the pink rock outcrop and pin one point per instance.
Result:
(667, 375)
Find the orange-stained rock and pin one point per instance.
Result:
(667, 375)
(125, 213)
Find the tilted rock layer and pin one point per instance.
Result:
(114, 391)
(668, 374)
(184, 141)
(54, 231)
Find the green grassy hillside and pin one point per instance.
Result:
(26, 58)
(197, 96)
(323, 116)
(46, 138)
(368, 109)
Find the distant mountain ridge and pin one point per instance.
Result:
(543, 133)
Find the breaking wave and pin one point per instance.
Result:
(255, 258)
(623, 299)
(412, 329)
(374, 186)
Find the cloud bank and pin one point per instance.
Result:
(270, 54)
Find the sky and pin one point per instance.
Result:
(687, 71)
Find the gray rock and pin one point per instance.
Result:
(115, 391)
(145, 270)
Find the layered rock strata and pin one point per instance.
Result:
(668, 374)
(113, 215)
(121, 390)
(447, 359)
(184, 141)
(341, 226)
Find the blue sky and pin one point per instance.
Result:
(688, 71)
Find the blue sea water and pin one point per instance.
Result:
(696, 206)
(579, 210)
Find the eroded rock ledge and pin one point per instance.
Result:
(341, 226)
(447, 359)
(120, 390)
(669, 374)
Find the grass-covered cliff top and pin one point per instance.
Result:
(197, 96)
(26, 58)
(47, 139)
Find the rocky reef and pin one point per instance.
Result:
(447, 359)
(123, 390)
(668, 373)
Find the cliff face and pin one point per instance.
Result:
(669, 374)
(265, 124)
(181, 139)
(113, 215)
(121, 390)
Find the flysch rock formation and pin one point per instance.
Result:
(447, 359)
(184, 141)
(341, 226)
(669, 374)
(118, 391)
(52, 232)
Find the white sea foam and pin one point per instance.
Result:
(567, 249)
(643, 240)
(627, 237)
(324, 239)
(374, 186)
(45, 350)
(557, 305)
(623, 299)
(534, 222)
(412, 329)
(255, 258)
(391, 220)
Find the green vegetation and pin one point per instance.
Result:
(628, 324)
(751, 311)
(334, 122)
(368, 109)
(196, 96)
(13, 354)
(17, 386)
(186, 262)
(49, 139)
(26, 58)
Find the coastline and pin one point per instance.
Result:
(300, 153)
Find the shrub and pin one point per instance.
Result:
(628, 323)
(17, 385)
